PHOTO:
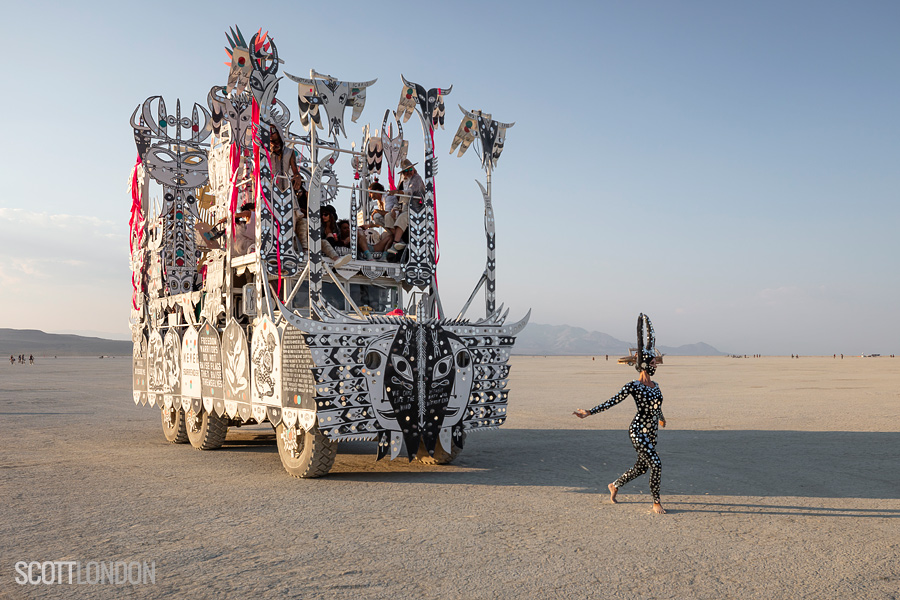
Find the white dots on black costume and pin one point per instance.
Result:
(642, 431)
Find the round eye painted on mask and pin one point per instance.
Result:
(373, 360)
(402, 367)
(463, 359)
(442, 368)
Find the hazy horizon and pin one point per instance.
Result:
(729, 169)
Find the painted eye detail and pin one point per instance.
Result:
(373, 360)
(402, 366)
(443, 367)
(463, 359)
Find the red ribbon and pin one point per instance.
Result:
(235, 156)
(257, 187)
(136, 227)
(437, 246)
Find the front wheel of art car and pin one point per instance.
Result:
(207, 430)
(441, 456)
(305, 454)
(173, 425)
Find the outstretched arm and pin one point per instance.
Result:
(623, 393)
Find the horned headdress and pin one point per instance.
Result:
(645, 352)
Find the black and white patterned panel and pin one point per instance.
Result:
(354, 211)
(490, 269)
(487, 406)
(277, 241)
(179, 247)
(314, 216)
(454, 375)
(487, 131)
(342, 403)
(490, 346)
(418, 269)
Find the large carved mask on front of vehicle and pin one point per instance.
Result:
(419, 380)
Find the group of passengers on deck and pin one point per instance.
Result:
(384, 232)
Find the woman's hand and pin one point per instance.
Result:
(662, 423)
(581, 413)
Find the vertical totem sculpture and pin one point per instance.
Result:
(491, 136)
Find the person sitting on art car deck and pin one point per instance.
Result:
(379, 242)
(245, 230)
(362, 244)
(396, 221)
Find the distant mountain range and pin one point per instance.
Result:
(32, 341)
(535, 340)
(539, 340)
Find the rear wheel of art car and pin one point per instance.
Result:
(173, 425)
(441, 456)
(304, 453)
(206, 431)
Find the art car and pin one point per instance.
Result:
(246, 308)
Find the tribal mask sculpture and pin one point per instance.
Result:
(173, 155)
(176, 160)
(431, 102)
(334, 96)
(404, 382)
(491, 134)
(239, 63)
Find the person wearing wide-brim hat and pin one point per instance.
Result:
(397, 220)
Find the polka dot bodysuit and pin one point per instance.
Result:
(642, 431)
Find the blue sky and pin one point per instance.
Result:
(728, 168)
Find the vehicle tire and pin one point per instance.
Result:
(305, 454)
(208, 431)
(174, 428)
(441, 456)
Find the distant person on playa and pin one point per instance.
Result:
(12, 359)
(642, 431)
(31, 359)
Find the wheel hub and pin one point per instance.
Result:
(289, 437)
(192, 421)
(169, 416)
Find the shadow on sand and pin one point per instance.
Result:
(750, 464)
(836, 464)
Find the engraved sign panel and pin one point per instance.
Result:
(211, 385)
(190, 364)
(298, 383)
(155, 368)
(266, 364)
(172, 365)
(235, 363)
(139, 369)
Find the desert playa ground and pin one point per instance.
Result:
(781, 478)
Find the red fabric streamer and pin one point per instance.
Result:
(437, 246)
(136, 228)
(235, 156)
(255, 136)
(277, 232)
(257, 186)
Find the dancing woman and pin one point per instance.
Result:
(642, 431)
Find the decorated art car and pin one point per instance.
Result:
(243, 312)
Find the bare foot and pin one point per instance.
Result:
(613, 490)
(658, 509)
